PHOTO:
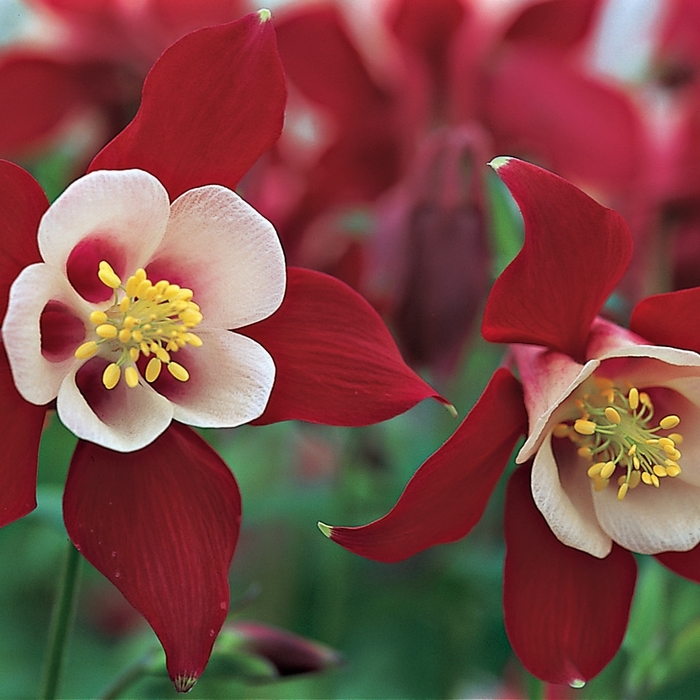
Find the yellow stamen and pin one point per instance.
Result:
(612, 415)
(108, 277)
(110, 377)
(178, 371)
(86, 350)
(633, 398)
(153, 369)
(584, 427)
(131, 376)
(669, 422)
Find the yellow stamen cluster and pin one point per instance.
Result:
(145, 319)
(614, 432)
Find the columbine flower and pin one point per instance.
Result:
(112, 262)
(131, 285)
(609, 463)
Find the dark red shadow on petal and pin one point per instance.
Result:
(162, 525)
(686, 564)
(84, 262)
(448, 494)
(207, 89)
(336, 362)
(61, 332)
(575, 253)
(669, 319)
(565, 611)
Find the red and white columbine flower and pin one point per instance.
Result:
(610, 461)
(131, 285)
(93, 280)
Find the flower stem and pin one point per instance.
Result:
(61, 623)
(536, 689)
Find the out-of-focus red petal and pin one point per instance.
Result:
(686, 564)
(669, 319)
(447, 495)
(321, 60)
(565, 611)
(575, 253)
(211, 105)
(580, 127)
(556, 24)
(162, 525)
(336, 362)
(36, 94)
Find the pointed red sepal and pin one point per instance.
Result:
(575, 253)
(336, 362)
(162, 525)
(211, 105)
(669, 319)
(447, 495)
(565, 611)
(686, 564)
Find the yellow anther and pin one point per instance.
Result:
(673, 470)
(134, 354)
(659, 470)
(178, 371)
(131, 376)
(124, 335)
(108, 276)
(124, 304)
(612, 415)
(584, 427)
(676, 437)
(622, 491)
(646, 478)
(669, 422)
(194, 340)
(153, 369)
(634, 480)
(635, 462)
(190, 317)
(86, 350)
(607, 470)
(130, 322)
(632, 450)
(673, 454)
(645, 399)
(560, 429)
(654, 480)
(633, 398)
(161, 353)
(137, 335)
(107, 330)
(665, 442)
(599, 484)
(145, 348)
(584, 452)
(143, 288)
(595, 469)
(98, 317)
(110, 377)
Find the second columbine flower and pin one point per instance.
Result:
(131, 286)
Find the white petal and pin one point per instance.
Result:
(121, 419)
(228, 254)
(128, 209)
(231, 377)
(37, 378)
(650, 520)
(548, 378)
(562, 492)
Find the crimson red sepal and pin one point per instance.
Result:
(336, 362)
(211, 105)
(575, 253)
(564, 616)
(447, 495)
(686, 564)
(669, 319)
(162, 525)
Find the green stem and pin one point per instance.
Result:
(536, 689)
(61, 623)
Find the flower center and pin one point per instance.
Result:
(615, 432)
(145, 319)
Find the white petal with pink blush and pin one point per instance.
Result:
(135, 294)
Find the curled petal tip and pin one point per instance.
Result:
(183, 684)
(327, 530)
(577, 683)
(264, 15)
(499, 162)
(451, 409)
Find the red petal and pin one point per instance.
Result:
(669, 319)
(574, 255)
(686, 564)
(161, 524)
(22, 203)
(212, 104)
(337, 363)
(36, 94)
(565, 611)
(322, 61)
(447, 495)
